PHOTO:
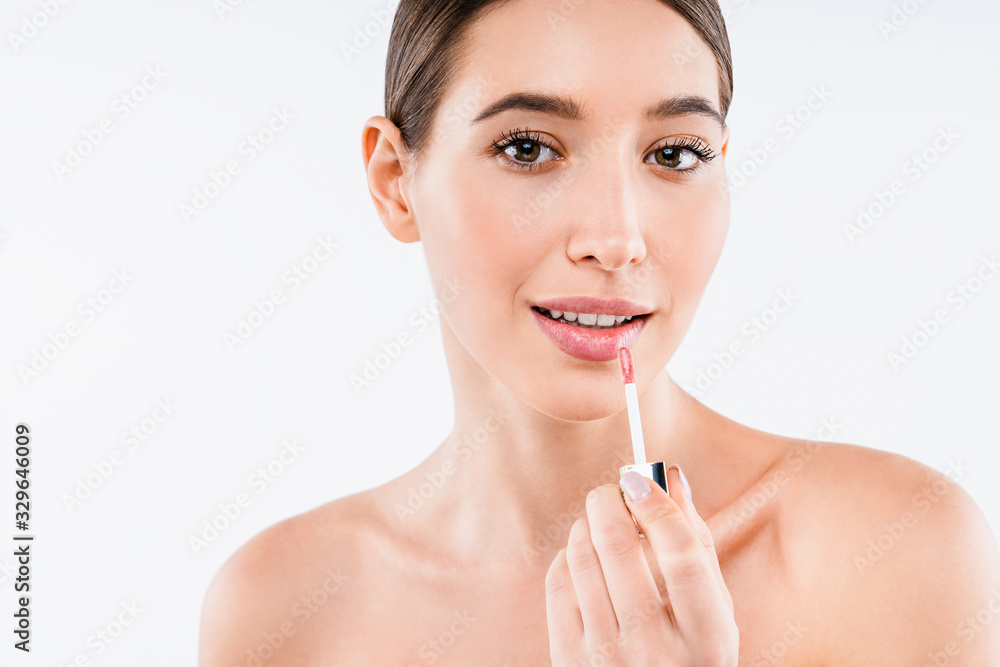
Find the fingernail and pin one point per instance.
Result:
(684, 482)
(636, 486)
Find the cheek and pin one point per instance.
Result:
(469, 234)
(691, 237)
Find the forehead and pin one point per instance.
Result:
(614, 58)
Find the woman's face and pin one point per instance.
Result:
(593, 197)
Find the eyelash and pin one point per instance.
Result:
(697, 146)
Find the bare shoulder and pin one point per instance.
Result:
(286, 583)
(895, 554)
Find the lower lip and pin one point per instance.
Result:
(590, 344)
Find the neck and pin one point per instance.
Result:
(511, 480)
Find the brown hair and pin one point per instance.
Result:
(427, 46)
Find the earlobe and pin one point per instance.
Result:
(387, 167)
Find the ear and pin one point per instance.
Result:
(725, 139)
(389, 169)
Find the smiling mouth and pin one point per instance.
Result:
(589, 320)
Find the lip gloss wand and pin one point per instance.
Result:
(654, 471)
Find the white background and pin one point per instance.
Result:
(162, 335)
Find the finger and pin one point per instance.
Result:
(629, 580)
(561, 609)
(679, 494)
(691, 584)
(599, 621)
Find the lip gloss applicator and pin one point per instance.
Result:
(654, 471)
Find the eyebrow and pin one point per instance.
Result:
(566, 107)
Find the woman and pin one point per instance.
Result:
(564, 161)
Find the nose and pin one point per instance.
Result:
(607, 230)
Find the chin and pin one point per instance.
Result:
(575, 403)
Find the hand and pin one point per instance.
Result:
(602, 603)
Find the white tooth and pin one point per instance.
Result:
(555, 313)
(605, 320)
(619, 319)
(629, 317)
(587, 318)
(570, 317)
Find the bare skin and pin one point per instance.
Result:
(833, 554)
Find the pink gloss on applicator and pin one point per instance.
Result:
(632, 402)
(654, 471)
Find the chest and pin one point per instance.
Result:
(487, 626)
(776, 624)
(497, 624)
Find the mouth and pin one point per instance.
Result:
(601, 321)
(594, 336)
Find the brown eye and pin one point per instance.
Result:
(675, 158)
(524, 151)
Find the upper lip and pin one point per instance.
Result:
(592, 304)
